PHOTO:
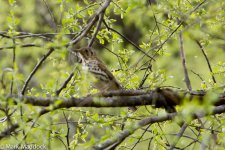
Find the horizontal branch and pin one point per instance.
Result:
(46, 36)
(22, 45)
(163, 98)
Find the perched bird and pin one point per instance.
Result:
(105, 79)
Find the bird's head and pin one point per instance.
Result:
(86, 53)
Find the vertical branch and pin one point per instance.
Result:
(207, 60)
(149, 143)
(182, 55)
(101, 15)
(68, 131)
(13, 65)
(146, 74)
(54, 25)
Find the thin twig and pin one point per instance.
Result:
(90, 24)
(128, 40)
(179, 135)
(146, 74)
(182, 55)
(172, 33)
(8, 115)
(198, 75)
(141, 136)
(207, 60)
(35, 70)
(149, 143)
(52, 16)
(118, 56)
(101, 16)
(87, 7)
(68, 131)
(57, 92)
(23, 45)
(157, 46)
(13, 66)
(8, 131)
(151, 120)
(2, 34)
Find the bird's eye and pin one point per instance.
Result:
(92, 53)
(86, 52)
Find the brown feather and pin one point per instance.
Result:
(106, 80)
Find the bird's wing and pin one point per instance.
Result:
(109, 74)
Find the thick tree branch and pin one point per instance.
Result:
(157, 98)
(163, 98)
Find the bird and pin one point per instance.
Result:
(105, 79)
